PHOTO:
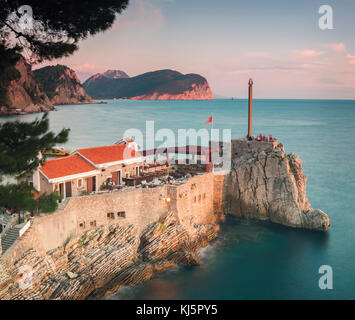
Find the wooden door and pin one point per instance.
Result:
(68, 189)
(89, 184)
(94, 183)
(114, 177)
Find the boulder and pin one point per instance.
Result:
(269, 185)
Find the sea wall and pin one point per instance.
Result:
(191, 202)
(82, 250)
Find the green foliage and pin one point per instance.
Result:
(104, 186)
(17, 197)
(21, 197)
(161, 225)
(49, 78)
(84, 193)
(162, 81)
(83, 240)
(60, 24)
(20, 143)
(47, 203)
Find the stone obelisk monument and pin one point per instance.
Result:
(250, 112)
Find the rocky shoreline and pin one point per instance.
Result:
(264, 184)
(103, 260)
(40, 90)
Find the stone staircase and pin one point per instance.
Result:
(63, 204)
(11, 236)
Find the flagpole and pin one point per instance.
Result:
(211, 144)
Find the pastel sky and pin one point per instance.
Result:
(276, 42)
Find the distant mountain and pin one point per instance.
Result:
(109, 74)
(61, 85)
(115, 74)
(156, 85)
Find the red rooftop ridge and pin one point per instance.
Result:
(67, 166)
(108, 154)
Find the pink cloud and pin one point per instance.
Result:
(351, 58)
(86, 67)
(337, 47)
(258, 54)
(308, 53)
(142, 13)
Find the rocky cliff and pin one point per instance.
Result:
(267, 184)
(264, 184)
(23, 94)
(104, 259)
(196, 92)
(62, 85)
(156, 85)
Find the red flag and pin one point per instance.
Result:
(210, 120)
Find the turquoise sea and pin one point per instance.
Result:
(250, 260)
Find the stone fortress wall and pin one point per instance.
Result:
(260, 171)
(197, 200)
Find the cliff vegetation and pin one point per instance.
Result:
(61, 85)
(156, 85)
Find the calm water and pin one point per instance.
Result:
(250, 260)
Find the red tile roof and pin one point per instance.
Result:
(67, 166)
(100, 155)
